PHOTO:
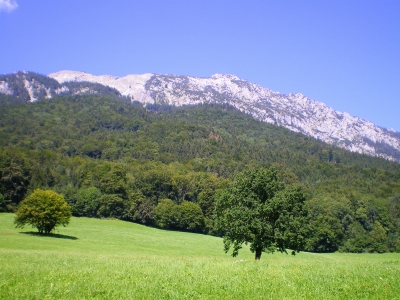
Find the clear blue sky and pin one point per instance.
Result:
(343, 53)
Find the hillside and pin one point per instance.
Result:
(81, 237)
(111, 158)
(295, 112)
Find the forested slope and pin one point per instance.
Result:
(163, 165)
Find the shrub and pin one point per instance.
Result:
(167, 214)
(111, 206)
(191, 216)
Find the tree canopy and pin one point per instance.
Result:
(112, 158)
(44, 210)
(258, 209)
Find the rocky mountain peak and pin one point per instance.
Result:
(227, 76)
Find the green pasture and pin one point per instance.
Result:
(110, 259)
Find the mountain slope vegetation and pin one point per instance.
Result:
(113, 158)
(293, 111)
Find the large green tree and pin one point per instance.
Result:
(43, 209)
(258, 209)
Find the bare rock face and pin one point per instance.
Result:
(130, 85)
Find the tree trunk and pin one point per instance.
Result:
(258, 253)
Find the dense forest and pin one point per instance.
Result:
(163, 166)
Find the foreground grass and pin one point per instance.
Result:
(107, 259)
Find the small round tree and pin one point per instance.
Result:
(44, 210)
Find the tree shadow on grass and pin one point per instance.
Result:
(51, 235)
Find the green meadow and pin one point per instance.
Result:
(111, 259)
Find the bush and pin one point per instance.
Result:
(191, 216)
(111, 206)
(44, 210)
(167, 214)
(186, 216)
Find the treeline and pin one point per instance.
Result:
(162, 166)
(133, 191)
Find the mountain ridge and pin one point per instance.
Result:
(294, 111)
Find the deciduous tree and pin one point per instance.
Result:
(257, 209)
(44, 210)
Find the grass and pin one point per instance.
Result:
(109, 259)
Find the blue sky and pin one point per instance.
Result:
(343, 53)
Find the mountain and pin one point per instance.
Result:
(293, 111)
(29, 87)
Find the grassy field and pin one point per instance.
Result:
(108, 259)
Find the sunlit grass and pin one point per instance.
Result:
(108, 259)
